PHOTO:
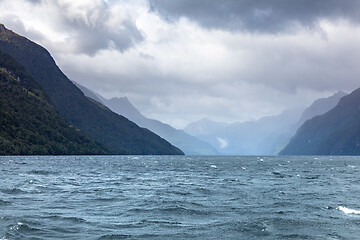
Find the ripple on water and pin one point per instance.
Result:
(4, 203)
(65, 219)
(175, 210)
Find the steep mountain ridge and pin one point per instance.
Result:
(29, 124)
(337, 132)
(115, 132)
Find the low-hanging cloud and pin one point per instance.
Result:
(262, 16)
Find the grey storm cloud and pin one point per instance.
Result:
(257, 15)
(90, 39)
(34, 1)
(94, 35)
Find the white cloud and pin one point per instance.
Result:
(81, 27)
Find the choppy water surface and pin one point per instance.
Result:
(150, 197)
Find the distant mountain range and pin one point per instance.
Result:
(266, 136)
(252, 137)
(115, 133)
(336, 132)
(190, 145)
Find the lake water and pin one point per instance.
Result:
(179, 197)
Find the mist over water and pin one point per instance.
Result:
(179, 197)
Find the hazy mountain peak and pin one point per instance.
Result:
(122, 105)
(124, 100)
(340, 92)
(321, 106)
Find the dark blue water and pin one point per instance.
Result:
(145, 197)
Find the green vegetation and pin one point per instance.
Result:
(115, 132)
(29, 124)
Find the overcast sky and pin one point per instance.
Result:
(181, 60)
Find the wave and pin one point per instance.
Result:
(165, 222)
(20, 230)
(3, 202)
(67, 219)
(348, 210)
(147, 236)
(12, 191)
(42, 172)
(173, 210)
